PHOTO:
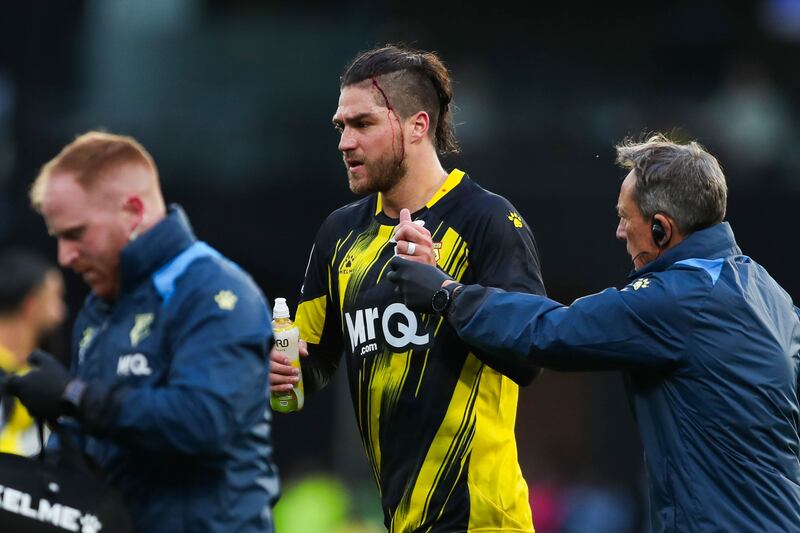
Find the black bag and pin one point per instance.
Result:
(58, 493)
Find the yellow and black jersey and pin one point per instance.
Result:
(18, 432)
(436, 419)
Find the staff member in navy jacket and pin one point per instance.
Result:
(170, 350)
(710, 343)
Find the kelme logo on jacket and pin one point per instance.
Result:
(226, 300)
(641, 283)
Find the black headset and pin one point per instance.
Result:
(659, 233)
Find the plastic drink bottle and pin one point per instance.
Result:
(286, 338)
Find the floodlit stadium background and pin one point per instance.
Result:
(234, 100)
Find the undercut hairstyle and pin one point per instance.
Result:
(683, 181)
(409, 81)
(23, 272)
(88, 158)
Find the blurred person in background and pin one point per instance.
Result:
(709, 341)
(168, 386)
(31, 307)
(436, 418)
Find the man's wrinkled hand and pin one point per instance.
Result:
(416, 283)
(41, 389)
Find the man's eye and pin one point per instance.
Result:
(72, 235)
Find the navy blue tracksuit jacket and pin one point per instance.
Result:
(185, 350)
(711, 344)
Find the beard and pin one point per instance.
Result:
(378, 176)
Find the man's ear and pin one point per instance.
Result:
(133, 206)
(420, 123)
(663, 230)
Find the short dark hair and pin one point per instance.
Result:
(683, 181)
(21, 273)
(412, 80)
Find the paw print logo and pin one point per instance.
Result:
(347, 265)
(90, 524)
(515, 219)
(226, 300)
(640, 284)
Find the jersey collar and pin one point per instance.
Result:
(453, 179)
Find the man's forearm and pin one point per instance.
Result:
(317, 372)
(465, 305)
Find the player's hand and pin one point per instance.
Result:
(414, 242)
(282, 375)
(416, 283)
(41, 390)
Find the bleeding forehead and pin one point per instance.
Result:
(356, 100)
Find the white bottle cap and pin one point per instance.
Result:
(281, 310)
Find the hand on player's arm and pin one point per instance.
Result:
(417, 283)
(413, 237)
(282, 375)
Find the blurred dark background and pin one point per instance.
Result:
(234, 100)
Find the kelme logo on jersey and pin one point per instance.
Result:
(515, 219)
(346, 267)
(398, 329)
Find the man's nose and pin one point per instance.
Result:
(67, 253)
(621, 233)
(347, 141)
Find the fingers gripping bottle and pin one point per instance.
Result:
(286, 338)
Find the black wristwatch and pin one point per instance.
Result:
(442, 298)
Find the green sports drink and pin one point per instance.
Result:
(287, 337)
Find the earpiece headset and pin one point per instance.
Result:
(660, 237)
(659, 233)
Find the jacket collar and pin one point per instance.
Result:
(710, 243)
(154, 248)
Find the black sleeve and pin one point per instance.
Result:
(505, 256)
(318, 319)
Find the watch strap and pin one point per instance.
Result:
(452, 289)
